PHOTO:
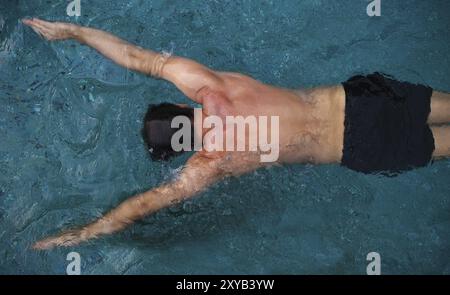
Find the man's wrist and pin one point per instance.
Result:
(74, 31)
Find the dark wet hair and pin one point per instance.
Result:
(157, 132)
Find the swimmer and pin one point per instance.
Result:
(369, 124)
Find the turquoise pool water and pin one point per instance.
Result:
(71, 149)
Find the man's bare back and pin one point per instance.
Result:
(311, 121)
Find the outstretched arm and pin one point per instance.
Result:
(188, 75)
(199, 173)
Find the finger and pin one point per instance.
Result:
(46, 33)
(37, 26)
(37, 31)
(27, 22)
(38, 246)
(68, 243)
(43, 23)
(43, 32)
(38, 20)
(32, 22)
(43, 245)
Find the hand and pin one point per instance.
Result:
(51, 30)
(66, 239)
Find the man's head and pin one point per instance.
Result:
(157, 132)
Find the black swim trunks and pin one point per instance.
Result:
(386, 126)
